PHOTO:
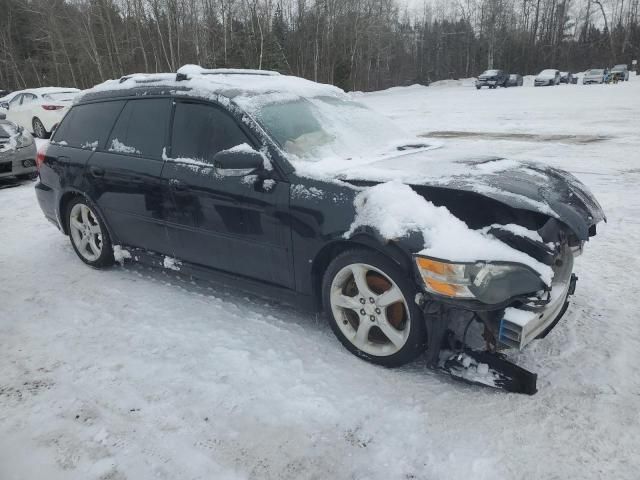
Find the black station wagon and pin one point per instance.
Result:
(294, 189)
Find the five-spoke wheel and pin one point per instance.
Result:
(371, 308)
(88, 235)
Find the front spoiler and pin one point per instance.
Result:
(489, 370)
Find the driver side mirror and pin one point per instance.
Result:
(237, 162)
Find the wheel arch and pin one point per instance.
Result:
(362, 241)
(68, 197)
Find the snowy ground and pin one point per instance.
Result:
(137, 374)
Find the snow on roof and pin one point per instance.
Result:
(229, 83)
(44, 90)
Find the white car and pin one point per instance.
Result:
(38, 110)
(4, 101)
(547, 77)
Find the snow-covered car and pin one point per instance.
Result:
(515, 80)
(566, 77)
(492, 79)
(621, 72)
(547, 77)
(17, 150)
(294, 189)
(4, 101)
(39, 110)
(595, 76)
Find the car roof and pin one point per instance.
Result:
(45, 90)
(197, 81)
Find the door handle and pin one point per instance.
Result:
(177, 184)
(96, 171)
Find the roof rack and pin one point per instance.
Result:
(186, 71)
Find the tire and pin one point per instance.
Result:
(84, 224)
(363, 322)
(478, 88)
(38, 128)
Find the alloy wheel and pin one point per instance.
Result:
(86, 233)
(370, 309)
(38, 128)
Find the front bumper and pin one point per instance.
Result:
(18, 162)
(543, 83)
(519, 326)
(486, 83)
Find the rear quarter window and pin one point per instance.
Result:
(88, 126)
(141, 128)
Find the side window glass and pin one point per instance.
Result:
(200, 131)
(28, 98)
(15, 100)
(87, 126)
(141, 128)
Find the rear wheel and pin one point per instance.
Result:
(89, 237)
(38, 129)
(370, 304)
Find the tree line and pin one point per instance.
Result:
(355, 44)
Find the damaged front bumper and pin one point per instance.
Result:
(520, 326)
(510, 326)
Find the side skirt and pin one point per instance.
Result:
(256, 288)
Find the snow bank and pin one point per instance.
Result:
(395, 210)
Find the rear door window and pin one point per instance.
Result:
(141, 128)
(88, 126)
(200, 131)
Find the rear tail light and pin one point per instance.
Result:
(52, 107)
(42, 152)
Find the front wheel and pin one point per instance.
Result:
(370, 304)
(89, 236)
(38, 129)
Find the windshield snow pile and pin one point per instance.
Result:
(395, 210)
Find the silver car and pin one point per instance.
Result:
(17, 151)
(595, 75)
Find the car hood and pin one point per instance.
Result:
(521, 185)
(545, 77)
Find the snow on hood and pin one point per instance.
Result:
(522, 185)
(395, 210)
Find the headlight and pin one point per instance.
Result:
(486, 282)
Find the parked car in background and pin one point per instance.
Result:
(515, 80)
(4, 101)
(547, 77)
(3, 93)
(39, 109)
(207, 171)
(620, 72)
(566, 77)
(595, 76)
(17, 150)
(492, 79)
(574, 80)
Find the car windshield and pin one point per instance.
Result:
(490, 72)
(548, 72)
(315, 128)
(60, 96)
(596, 72)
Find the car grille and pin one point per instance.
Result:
(5, 167)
